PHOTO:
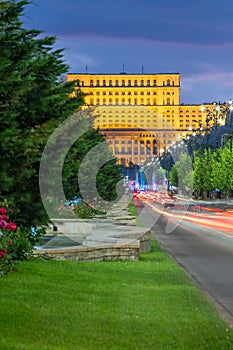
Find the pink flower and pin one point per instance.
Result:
(3, 224)
(3, 211)
(11, 226)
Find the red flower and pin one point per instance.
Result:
(11, 226)
(2, 254)
(3, 211)
(3, 217)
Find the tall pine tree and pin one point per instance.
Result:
(33, 102)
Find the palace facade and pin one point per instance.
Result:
(139, 114)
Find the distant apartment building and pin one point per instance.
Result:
(140, 115)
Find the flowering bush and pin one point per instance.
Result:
(15, 243)
(77, 207)
(85, 211)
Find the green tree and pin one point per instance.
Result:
(33, 101)
(203, 171)
(222, 170)
(173, 177)
(185, 173)
(159, 175)
(90, 151)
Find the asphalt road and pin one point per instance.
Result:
(206, 254)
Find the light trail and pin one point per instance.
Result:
(220, 221)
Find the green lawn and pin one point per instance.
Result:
(149, 304)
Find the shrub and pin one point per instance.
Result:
(85, 211)
(15, 243)
(77, 207)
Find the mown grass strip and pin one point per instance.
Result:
(149, 304)
(134, 212)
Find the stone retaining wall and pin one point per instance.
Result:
(92, 253)
(114, 237)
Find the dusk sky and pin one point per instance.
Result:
(193, 38)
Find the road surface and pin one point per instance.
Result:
(200, 242)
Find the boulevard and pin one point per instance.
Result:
(201, 242)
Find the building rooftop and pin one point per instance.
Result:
(123, 73)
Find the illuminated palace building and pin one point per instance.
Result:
(139, 114)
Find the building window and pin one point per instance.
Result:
(135, 101)
(135, 83)
(148, 82)
(110, 100)
(168, 82)
(91, 82)
(155, 83)
(142, 82)
(110, 82)
(129, 82)
(117, 83)
(123, 83)
(97, 82)
(104, 82)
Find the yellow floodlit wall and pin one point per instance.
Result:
(139, 114)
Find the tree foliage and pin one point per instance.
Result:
(99, 172)
(213, 170)
(184, 173)
(173, 176)
(34, 100)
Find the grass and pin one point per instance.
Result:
(133, 212)
(149, 304)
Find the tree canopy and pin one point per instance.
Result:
(34, 100)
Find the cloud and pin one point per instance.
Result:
(207, 87)
(191, 38)
(201, 23)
